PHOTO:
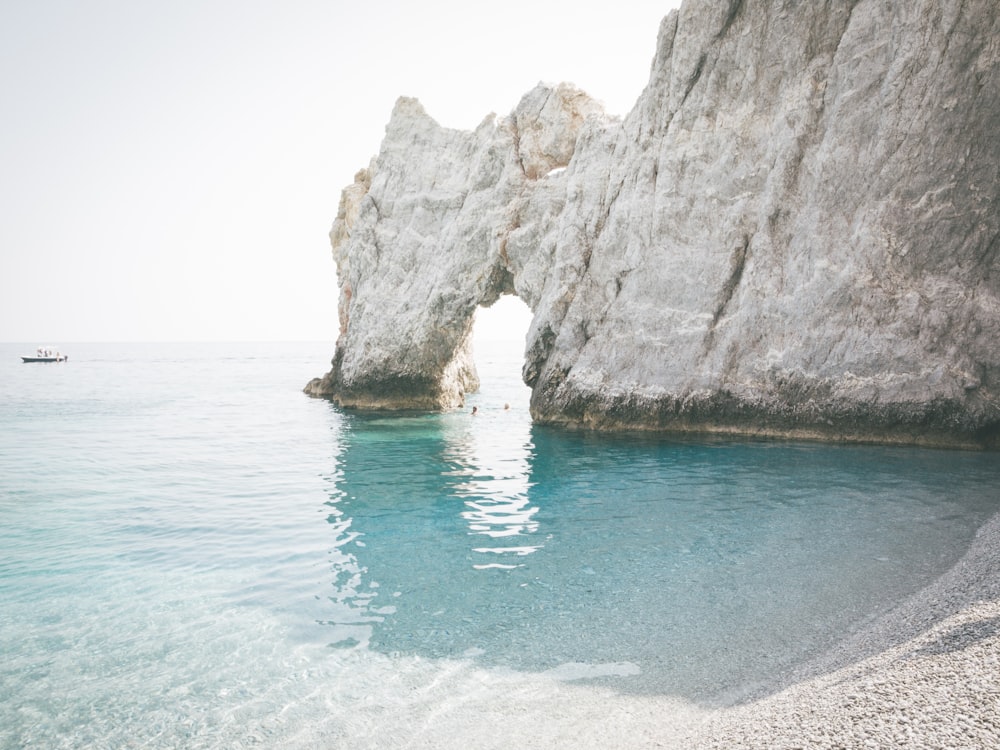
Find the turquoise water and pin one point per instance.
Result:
(195, 554)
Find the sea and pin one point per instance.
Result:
(193, 553)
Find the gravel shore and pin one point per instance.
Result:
(926, 675)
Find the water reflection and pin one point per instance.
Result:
(425, 511)
(352, 613)
(707, 566)
(349, 614)
(492, 466)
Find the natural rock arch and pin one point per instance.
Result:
(795, 232)
(444, 221)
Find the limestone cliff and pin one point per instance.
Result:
(795, 231)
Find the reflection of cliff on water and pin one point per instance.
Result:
(696, 568)
(350, 610)
(426, 510)
(491, 465)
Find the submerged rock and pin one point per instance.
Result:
(795, 232)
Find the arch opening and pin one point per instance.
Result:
(499, 331)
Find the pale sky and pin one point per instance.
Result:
(169, 170)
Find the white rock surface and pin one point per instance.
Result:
(796, 231)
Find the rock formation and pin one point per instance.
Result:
(795, 232)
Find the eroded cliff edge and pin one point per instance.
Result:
(795, 232)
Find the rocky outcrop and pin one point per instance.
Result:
(796, 232)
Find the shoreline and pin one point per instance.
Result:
(923, 675)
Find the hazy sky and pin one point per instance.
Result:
(170, 170)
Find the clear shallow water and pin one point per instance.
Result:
(193, 553)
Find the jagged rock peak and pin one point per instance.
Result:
(795, 231)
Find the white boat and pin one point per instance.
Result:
(45, 354)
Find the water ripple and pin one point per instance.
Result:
(191, 550)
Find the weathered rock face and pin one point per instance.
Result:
(796, 231)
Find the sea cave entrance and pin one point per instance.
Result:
(498, 339)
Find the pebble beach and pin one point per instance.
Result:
(927, 675)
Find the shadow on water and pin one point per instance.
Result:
(701, 569)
